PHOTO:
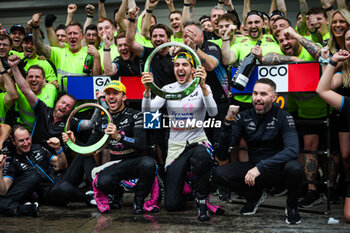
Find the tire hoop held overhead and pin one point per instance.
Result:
(98, 146)
(173, 95)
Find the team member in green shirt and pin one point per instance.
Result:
(254, 23)
(106, 31)
(33, 59)
(227, 23)
(44, 91)
(317, 24)
(8, 98)
(68, 60)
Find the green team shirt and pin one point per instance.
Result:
(68, 63)
(26, 114)
(3, 107)
(143, 41)
(177, 39)
(50, 74)
(114, 53)
(244, 47)
(308, 105)
(218, 42)
(310, 37)
(140, 39)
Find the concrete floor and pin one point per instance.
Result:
(79, 218)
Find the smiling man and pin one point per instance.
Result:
(273, 149)
(187, 146)
(17, 33)
(161, 64)
(45, 92)
(126, 64)
(19, 179)
(68, 60)
(30, 50)
(109, 50)
(175, 19)
(49, 122)
(127, 148)
(306, 106)
(5, 46)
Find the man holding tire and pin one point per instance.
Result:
(188, 146)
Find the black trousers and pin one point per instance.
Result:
(19, 192)
(213, 134)
(232, 175)
(65, 189)
(143, 168)
(196, 158)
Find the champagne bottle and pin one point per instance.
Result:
(88, 63)
(244, 70)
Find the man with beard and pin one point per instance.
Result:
(127, 64)
(254, 22)
(68, 60)
(162, 63)
(126, 150)
(307, 107)
(188, 145)
(273, 151)
(49, 122)
(17, 33)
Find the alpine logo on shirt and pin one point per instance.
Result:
(251, 126)
(124, 122)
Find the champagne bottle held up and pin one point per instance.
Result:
(88, 63)
(244, 70)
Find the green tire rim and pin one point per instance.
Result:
(98, 146)
(173, 95)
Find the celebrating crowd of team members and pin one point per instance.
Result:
(257, 147)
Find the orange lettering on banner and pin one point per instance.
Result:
(281, 101)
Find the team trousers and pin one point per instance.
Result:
(65, 189)
(19, 192)
(196, 158)
(142, 167)
(232, 175)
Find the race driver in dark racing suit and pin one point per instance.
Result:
(126, 149)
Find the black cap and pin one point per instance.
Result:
(17, 27)
(277, 12)
(28, 36)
